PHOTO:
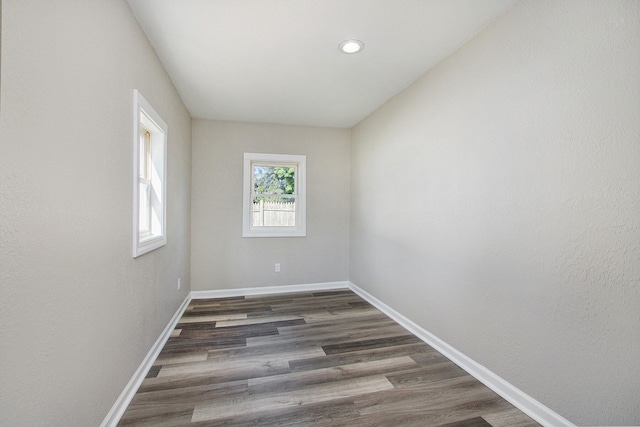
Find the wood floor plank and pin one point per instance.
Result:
(230, 310)
(510, 417)
(335, 302)
(265, 353)
(291, 381)
(190, 394)
(280, 296)
(177, 382)
(372, 322)
(229, 407)
(379, 332)
(411, 350)
(341, 342)
(295, 352)
(325, 358)
(317, 414)
(199, 318)
(373, 343)
(226, 368)
(191, 345)
(322, 339)
(413, 412)
(274, 363)
(345, 315)
(192, 380)
(196, 356)
(427, 374)
(257, 320)
(346, 292)
(437, 397)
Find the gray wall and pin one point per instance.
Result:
(221, 258)
(78, 313)
(507, 190)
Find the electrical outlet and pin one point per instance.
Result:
(277, 267)
(179, 282)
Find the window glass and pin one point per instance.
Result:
(274, 199)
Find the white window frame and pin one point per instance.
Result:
(300, 187)
(146, 118)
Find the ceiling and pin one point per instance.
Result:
(278, 60)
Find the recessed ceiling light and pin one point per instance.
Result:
(351, 46)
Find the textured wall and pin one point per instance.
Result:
(221, 257)
(78, 313)
(507, 186)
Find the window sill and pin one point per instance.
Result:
(274, 233)
(149, 244)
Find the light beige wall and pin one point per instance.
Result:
(78, 313)
(221, 257)
(507, 186)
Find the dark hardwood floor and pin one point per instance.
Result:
(316, 358)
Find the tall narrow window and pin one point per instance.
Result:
(149, 189)
(274, 195)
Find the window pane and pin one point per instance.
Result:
(273, 212)
(145, 154)
(142, 157)
(144, 220)
(268, 179)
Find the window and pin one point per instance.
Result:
(274, 195)
(149, 178)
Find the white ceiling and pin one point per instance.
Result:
(278, 60)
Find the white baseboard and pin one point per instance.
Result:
(507, 391)
(118, 408)
(226, 293)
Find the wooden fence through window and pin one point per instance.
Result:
(274, 214)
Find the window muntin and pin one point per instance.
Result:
(149, 178)
(274, 199)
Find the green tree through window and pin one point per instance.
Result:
(271, 180)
